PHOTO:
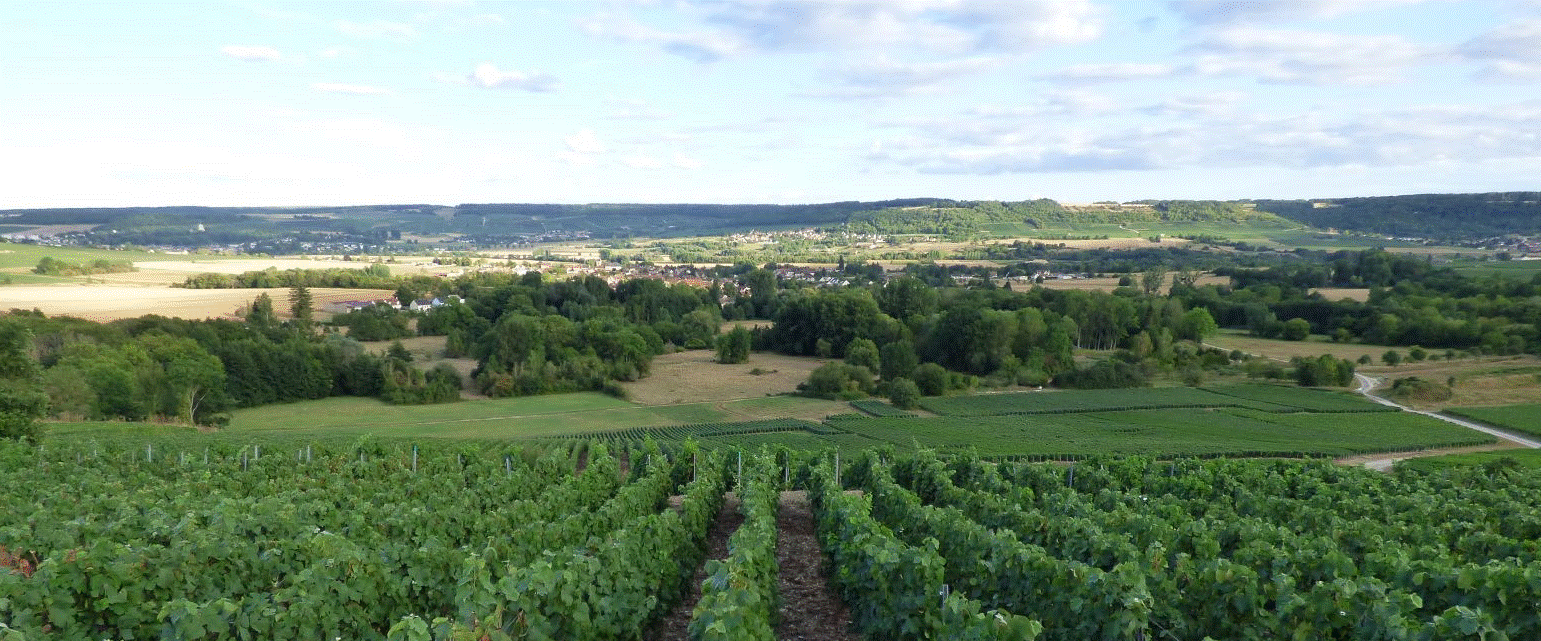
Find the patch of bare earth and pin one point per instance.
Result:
(676, 626)
(809, 608)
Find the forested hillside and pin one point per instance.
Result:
(377, 225)
(1443, 216)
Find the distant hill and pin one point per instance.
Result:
(1439, 216)
(214, 225)
(291, 229)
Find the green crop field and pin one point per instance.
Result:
(14, 255)
(1233, 420)
(1526, 459)
(1522, 269)
(1273, 398)
(879, 408)
(1524, 418)
(1300, 398)
(1051, 402)
(1170, 432)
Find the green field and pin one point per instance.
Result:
(1170, 432)
(1524, 418)
(1523, 458)
(1522, 269)
(498, 419)
(1223, 420)
(1272, 398)
(13, 255)
(1300, 398)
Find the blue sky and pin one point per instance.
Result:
(258, 104)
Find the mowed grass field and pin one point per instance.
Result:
(1313, 346)
(510, 418)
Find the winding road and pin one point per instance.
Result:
(1367, 385)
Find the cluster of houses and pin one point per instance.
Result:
(419, 305)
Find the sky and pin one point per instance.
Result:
(287, 104)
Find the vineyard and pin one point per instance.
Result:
(1141, 549)
(1272, 398)
(1246, 420)
(357, 543)
(1524, 418)
(385, 541)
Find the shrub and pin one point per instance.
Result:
(904, 394)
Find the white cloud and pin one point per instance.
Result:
(336, 52)
(1272, 11)
(684, 162)
(699, 45)
(488, 76)
(584, 142)
(339, 87)
(576, 159)
(1307, 57)
(623, 109)
(948, 27)
(1209, 104)
(642, 162)
(378, 29)
(1511, 51)
(885, 77)
(1111, 72)
(254, 53)
(1213, 137)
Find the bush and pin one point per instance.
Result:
(931, 379)
(839, 380)
(1296, 329)
(1416, 389)
(733, 347)
(904, 394)
(1108, 374)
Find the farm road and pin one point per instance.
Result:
(1368, 384)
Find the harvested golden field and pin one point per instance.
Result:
(695, 377)
(1284, 350)
(1340, 293)
(103, 303)
(175, 271)
(1110, 284)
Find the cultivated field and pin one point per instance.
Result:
(1110, 284)
(1340, 293)
(1315, 345)
(105, 303)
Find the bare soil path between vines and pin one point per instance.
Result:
(676, 626)
(809, 608)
